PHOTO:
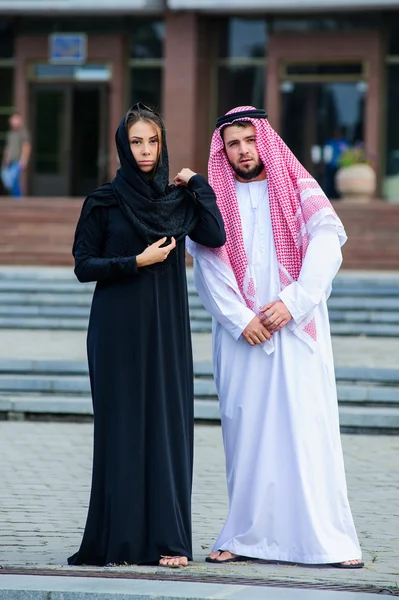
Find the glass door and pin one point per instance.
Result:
(51, 141)
(322, 115)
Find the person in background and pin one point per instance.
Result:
(332, 153)
(16, 155)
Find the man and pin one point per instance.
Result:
(16, 155)
(266, 290)
(333, 150)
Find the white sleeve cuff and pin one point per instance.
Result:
(297, 301)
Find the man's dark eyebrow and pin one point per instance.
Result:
(246, 138)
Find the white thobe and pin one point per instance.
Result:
(285, 471)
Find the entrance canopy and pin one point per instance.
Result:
(79, 6)
(265, 6)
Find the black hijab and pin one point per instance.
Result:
(155, 208)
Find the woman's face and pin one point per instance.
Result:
(144, 143)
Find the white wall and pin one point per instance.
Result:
(278, 5)
(78, 6)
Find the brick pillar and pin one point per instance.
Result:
(186, 92)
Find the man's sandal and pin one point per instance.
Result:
(227, 560)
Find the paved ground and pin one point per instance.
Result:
(45, 479)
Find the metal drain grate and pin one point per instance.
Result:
(206, 578)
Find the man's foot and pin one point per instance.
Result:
(349, 564)
(173, 562)
(224, 556)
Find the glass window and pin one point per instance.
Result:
(6, 87)
(324, 69)
(391, 184)
(393, 47)
(4, 123)
(322, 118)
(147, 39)
(50, 112)
(6, 40)
(344, 22)
(146, 86)
(241, 86)
(243, 38)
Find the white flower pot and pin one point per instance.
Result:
(357, 183)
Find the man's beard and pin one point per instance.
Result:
(249, 174)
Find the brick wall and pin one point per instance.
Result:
(36, 231)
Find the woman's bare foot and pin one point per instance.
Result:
(347, 563)
(173, 562)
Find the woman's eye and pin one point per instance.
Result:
(154, 141)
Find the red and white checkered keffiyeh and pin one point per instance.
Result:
(298, 207)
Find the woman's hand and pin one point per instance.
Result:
(183, 177)
(154, 253)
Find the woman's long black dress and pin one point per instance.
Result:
(141, 373)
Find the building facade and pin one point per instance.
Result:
(321, 69)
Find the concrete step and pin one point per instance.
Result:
(74, 385)
(378, 419)
(202, 370)
(368, 398)
(53, 299)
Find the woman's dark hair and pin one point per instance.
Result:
(141, 112)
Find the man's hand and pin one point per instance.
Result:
(154, 253)
(183, 177)
(275, 316)
(256, 333)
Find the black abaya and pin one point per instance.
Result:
(141, 373)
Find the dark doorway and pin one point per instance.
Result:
(70, 129)
(320, 117)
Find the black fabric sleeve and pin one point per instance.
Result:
(89, 264)
(209, 230)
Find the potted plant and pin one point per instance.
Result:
(356, 179)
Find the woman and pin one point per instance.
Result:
(131, 240)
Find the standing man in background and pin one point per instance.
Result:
(16, 155)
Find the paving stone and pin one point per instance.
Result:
(45, 484)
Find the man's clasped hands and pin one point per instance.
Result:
(272, 317)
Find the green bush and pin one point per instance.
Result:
(353, 156)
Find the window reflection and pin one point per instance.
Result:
(320, 116)
(146, 86)
(241, 86)
(391, 184)
(243, 38)
(147, 39)
(343, 22)
(6, 40)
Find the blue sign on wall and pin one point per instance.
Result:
(68, 48)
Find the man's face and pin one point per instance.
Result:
(15, 122)
(241, 150)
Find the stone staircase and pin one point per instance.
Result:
(360, 304)
(368, 398)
